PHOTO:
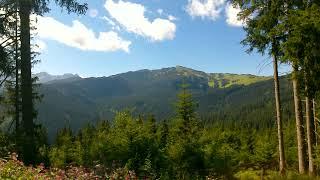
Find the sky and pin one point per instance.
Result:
(117, 36)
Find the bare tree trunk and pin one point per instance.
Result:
(17, 89)
(310, 134)
(262, 174)
(315, 120)
(28, 150)
(299, 122)
(282, 163)
(315, 129)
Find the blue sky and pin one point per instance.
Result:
(120, 36)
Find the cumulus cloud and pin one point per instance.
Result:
(132, 17)
(79, 36)
(205, 8)
(232, 16)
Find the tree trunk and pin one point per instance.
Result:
(299, 122)
(17, 91)
(282, 164)
(315, 130)
(262, 174)
(310, 134)
(315, 120)
(28, 150)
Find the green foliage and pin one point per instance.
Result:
(67, 150)
(234, 140)
(258, 174)
(7, 60)
(153, 92)
(302, 44)
(6, 145)
(183, 148)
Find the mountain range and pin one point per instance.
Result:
(44, 77)
(75, 101)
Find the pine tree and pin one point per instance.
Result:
(185, 110)
(26, 7)
(10, 32)
(151, 125)
(302, 49)
(262, 17)
(7, 44)
(164, 134)
(299, 121)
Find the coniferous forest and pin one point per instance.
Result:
(210, 126)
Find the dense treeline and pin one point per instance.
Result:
(288, 31)
(17, 59)
(251, 105)
(89, 100)
(183, 147)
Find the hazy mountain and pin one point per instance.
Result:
(47, 78)
(220, 96)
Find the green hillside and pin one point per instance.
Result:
(144, 92)
(220, 80)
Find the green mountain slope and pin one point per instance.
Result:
(226, 97)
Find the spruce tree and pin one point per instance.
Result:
(186, 110)
(302, 49)
(261, 18)
(163, 134)
(7, 44)
(38, 7)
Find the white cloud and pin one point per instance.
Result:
(205, 8)
(114, 26)
(93, 13)
(172, 18)
(112, 23)
(79, 36)
(232, 16)
(131, 16)
(160, 11)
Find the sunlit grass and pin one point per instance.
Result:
(271, 175)
(227, 80)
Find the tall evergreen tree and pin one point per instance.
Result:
(185, 109)
(151, 125)
(299, 120)
(17, 102)
(296, 84)
(302, 49)
(261, 19)
(39, 7)
(10, 34)
(7, 42)
(164, 133)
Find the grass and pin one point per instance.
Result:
(227, 80)
(271, 175)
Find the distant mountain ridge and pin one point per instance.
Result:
(45, 77)
(220, 80)
(75, 101)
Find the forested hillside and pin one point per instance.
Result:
(238, 98)
(170, 123)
